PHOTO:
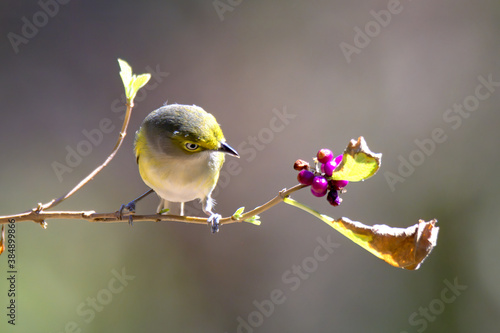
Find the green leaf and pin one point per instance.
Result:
(126, 74)
(237, 214)
(131, 82)
(140, 81)
(255, 220)
(358, 162)
(163, 211)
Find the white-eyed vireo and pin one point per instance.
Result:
(180, 150)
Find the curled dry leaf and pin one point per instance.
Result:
(358, 162)
(401, 247)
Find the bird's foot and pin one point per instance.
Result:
(214, 222)
(130, 207)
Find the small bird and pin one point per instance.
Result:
(180, 150)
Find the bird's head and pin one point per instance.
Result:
(184, 131)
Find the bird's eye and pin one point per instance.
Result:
(191, 146)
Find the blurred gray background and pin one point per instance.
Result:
(240, 60)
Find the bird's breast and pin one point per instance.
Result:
(181, 179)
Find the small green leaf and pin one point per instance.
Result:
(163, 211)
(126, 74)
(255, 220)
(140, 81)
(237, 214)
(358, 162)
(131, 82)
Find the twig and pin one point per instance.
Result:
(121, 137)
(39, 216)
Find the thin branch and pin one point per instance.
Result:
(274, 201)
(121, 137)
(39, 216)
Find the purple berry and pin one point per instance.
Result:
(328, 168)
(319, 186)
(324, 155)
(305, 177)
(318, 194)
(333, 198)
(339, 184)
(337, 160)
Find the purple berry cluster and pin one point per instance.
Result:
(319, 179)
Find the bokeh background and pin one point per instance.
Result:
(240, 60)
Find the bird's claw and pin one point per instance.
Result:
(214, 222)
(131, 208)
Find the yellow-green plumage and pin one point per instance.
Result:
(180, 150)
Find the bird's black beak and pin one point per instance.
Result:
(225, 148)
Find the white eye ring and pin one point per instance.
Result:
(191, 146)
